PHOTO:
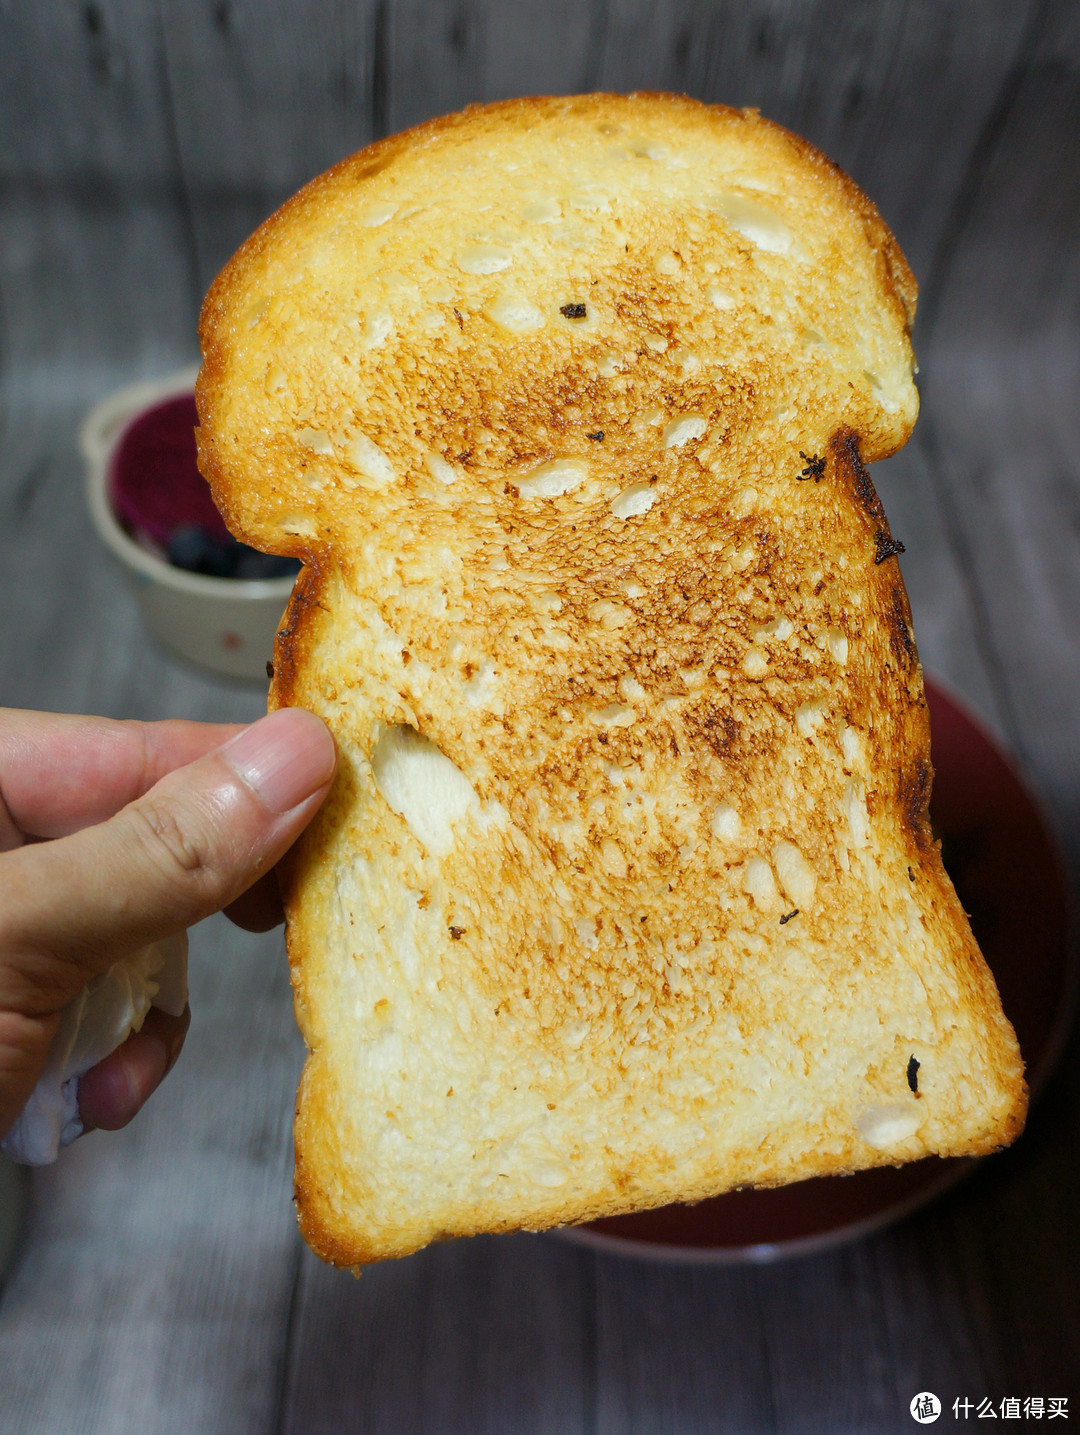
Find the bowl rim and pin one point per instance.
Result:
(99, 434)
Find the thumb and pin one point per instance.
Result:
(186, 848)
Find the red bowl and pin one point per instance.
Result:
(1006, 871)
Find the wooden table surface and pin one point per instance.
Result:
(160, 1284)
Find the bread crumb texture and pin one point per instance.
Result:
(566, 406)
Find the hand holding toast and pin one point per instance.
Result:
(114, 835)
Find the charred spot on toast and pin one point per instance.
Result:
(294, 637)
(716, 731)
(886, 546)
(913, 798)
(845, 445)
(898, 617)
(814, 469)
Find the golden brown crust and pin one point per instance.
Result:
(565, 404)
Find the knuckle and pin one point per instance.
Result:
(34, 980)
(183, 851)
(24, 1039)
(10, 927)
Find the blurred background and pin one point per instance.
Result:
(160, 1284)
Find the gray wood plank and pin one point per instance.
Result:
(225, 108)
(680, 1350)
(945, 630)
(1001, 428)
(81, 98)
(488, 1335)
(440, 58)
(91, 207)
(263, 99)
(802, 1346)
(92, 295)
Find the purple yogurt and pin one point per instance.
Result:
(154, 481)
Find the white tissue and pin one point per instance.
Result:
(95, 1023)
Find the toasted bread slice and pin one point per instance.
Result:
(625, 892)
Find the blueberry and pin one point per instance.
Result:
(191, 547)
(228, 558)
(250, 563)
(198, 551)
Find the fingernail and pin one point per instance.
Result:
(283, 758)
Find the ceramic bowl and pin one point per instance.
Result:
(224, 624)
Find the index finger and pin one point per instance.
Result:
(60, 773)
